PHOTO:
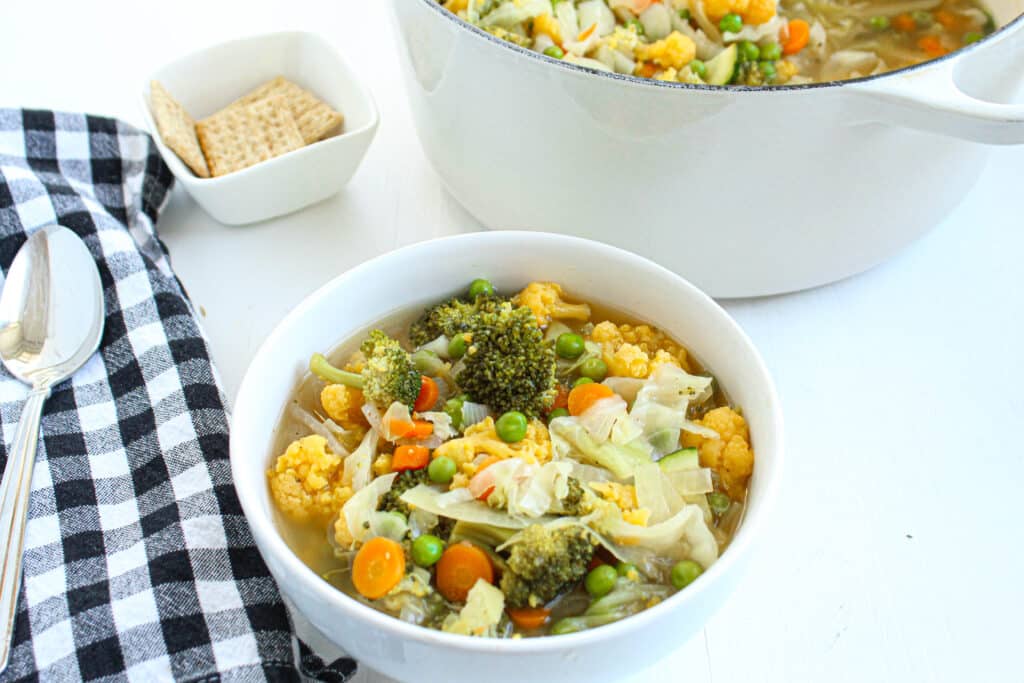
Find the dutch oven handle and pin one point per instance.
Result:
(929, 98)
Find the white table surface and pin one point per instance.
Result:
(895, 551)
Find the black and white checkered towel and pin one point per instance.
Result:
(138, 562)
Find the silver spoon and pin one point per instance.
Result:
(52, 308)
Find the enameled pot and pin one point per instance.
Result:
(745, 192)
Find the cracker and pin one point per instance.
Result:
(315, 118)
(177, 129)
(238, 137)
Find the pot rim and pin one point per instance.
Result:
(1005, 30)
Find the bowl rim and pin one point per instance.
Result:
(185, 174)
(267, 536)
(1009, 27)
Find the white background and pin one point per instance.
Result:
(895, 552)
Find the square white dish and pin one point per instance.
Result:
(210, 79)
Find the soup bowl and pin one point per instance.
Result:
(745, 191)
(408, 280)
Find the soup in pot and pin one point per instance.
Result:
(734, 42)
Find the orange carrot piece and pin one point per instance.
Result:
(904, 23)
(586, 33)
(412, 457)
(421, 429)
(586, 395)
(401, 428)
(529, 618)
(378, 567)
(648, 69)
(459, 568)
(932, 45)
(947, 18)
(428, 395)
(799, 34)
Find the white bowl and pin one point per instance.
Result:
(416, 276)
(207, 80)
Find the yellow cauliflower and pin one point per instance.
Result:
(624, 39)
(545, 300)
(674, 51)
(547, 25)
(753, 11)
(306, 481)
(730, 455)
(670, 75)
(456, 5)
(482, 439)
(630, 351)
(785, 70)
(344, 405)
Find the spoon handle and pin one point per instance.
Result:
(14, 494)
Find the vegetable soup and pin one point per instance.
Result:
(508, 466)
(734, 42)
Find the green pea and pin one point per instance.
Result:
(480, 287)
(581, 381)
(453, 407)
(563, 626)
(923, 18)
(972, 37)
(628, 570)
(698, 67)
(731, 23)
(749, 52)
(511, 427)
(684, 14)
(684, 573)
(771, 51)
(635, 23)
(554, 51)
(594, 368)
(457, 346)
(569, 345)
(718, 502)
(441, 470)
(880, 23)
(426, 550)
(601, 580)
(557, 413)
(767, 70)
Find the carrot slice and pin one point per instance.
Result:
(529, 618)
(428, 395)
(904, 23)
(647, 69)
(586, 33)
(932, 45)
(378, 567)
(799, 34)
(459, 568)
(561, 398)
(401, 428)
(412, 457)
(586, 395)
(421, 429)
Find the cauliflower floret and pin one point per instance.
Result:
(630, 351)
(730, 455)
(624, 39)
(759, 12)
(674, 51)
(306, 481)
(716, 9)
(456, 6)
(547, 25)
(545, 300)
(784, 71)
(482, 439)
(344, 405)
(670, 75)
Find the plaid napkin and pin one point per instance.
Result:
(138, 562)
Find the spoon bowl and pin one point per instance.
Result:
(52, 308)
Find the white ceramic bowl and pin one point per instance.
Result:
(743, 191)
(207, 80)
(424, 273)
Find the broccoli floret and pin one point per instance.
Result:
(544, 563)
(576, 502)
(388, 374)
(449, 318)
(509, 365)
(409, 479)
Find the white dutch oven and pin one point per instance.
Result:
(744, 191)
(398, 280)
